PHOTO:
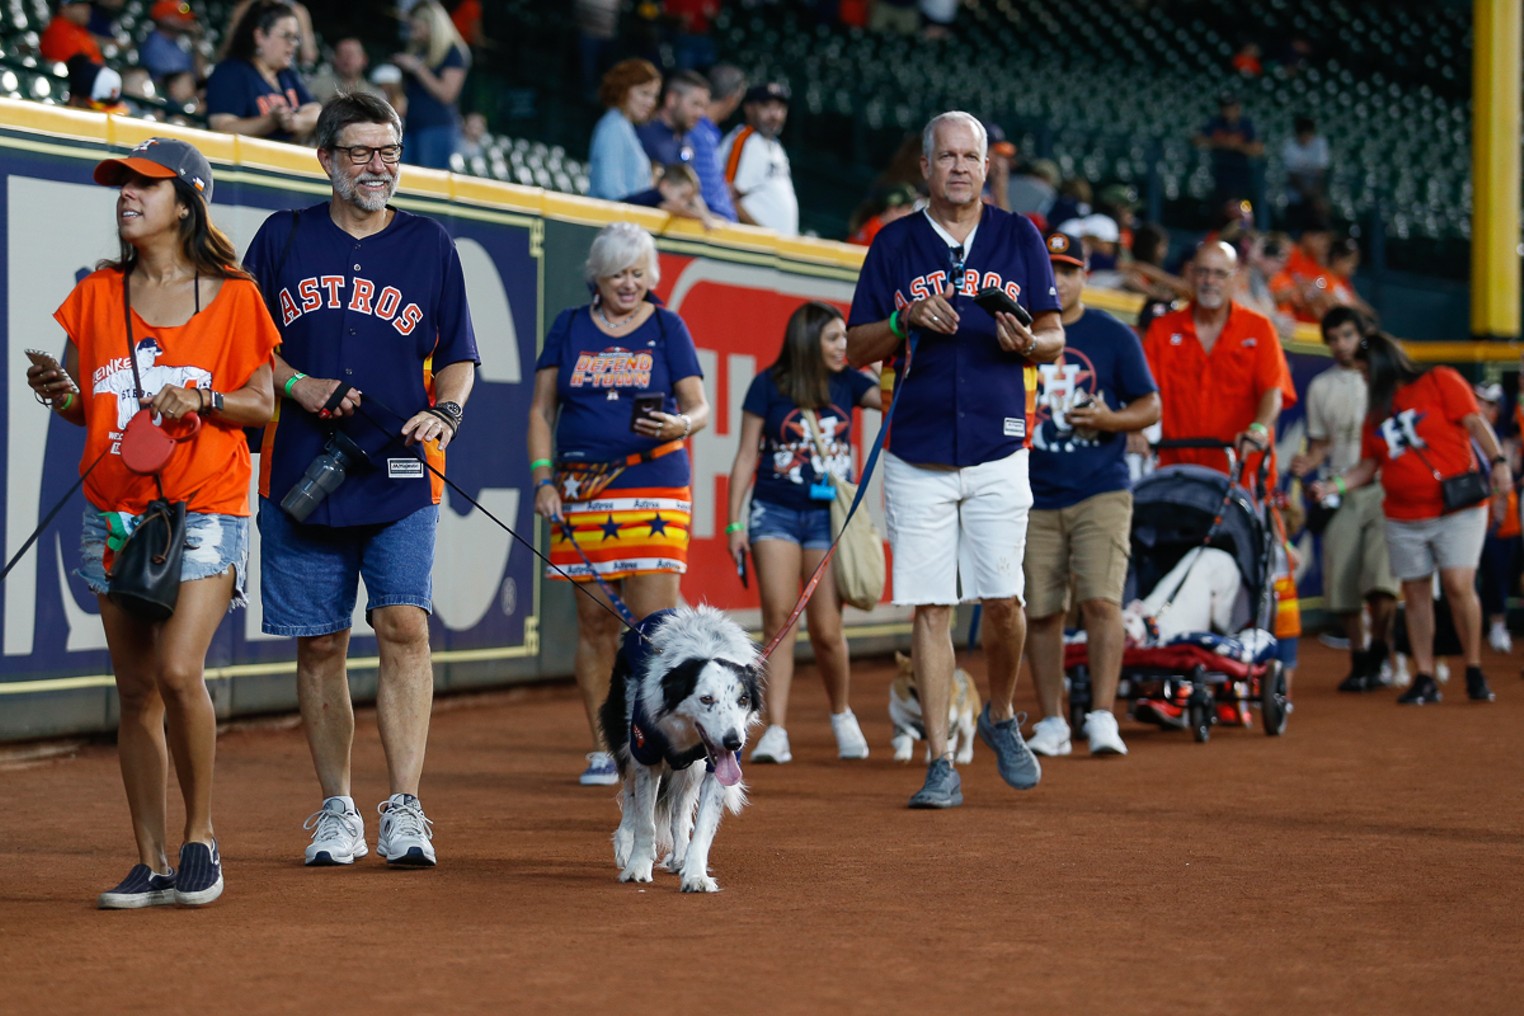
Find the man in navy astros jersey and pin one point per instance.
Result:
(377, 349)
(955, 476)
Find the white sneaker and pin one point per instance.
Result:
(406, 832)
(1101, 732)
(1050, 737)
(773, 746)
(850, 742)
(338, 833)
(1499, 639)
(601, 771)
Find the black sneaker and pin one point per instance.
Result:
(1422, 692)
(143, 887)
(1476, 686)
(200, 879)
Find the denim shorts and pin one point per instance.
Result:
(213, 544)
(810, 527)
(309, 575)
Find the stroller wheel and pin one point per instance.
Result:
(1272, 699)
(1202, 712)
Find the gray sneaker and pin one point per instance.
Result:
(943, 789)
(1018, 766)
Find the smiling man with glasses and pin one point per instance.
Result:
(376, 362)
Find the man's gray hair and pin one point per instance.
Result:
(929, 135)
(726, 80)
(618, 246)
(352, 107)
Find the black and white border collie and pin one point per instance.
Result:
(685, 688)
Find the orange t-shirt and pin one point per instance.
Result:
(63, 40)
(1426, 414)
(1214, 395)
(219, 348)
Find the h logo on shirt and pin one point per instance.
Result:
(1400, 432)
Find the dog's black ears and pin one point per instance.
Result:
(679, 682)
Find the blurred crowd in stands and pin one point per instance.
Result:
(689, 134)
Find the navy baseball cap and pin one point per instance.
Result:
(773, 91)
(1065, 248)
(160, 159)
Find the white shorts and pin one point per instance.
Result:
(958, 535)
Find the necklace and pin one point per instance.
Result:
(623, 323)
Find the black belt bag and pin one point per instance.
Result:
(145, 574)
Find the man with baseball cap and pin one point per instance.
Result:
(757, 167)
(167, 50)
(1088, 401)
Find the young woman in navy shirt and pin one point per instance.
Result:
(789, 527)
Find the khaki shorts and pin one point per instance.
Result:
(1086, 545)
(1355, 560)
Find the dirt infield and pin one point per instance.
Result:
(1368, 862)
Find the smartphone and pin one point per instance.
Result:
(644, 406)
(741, 569)
(48, 360)
(993, 298)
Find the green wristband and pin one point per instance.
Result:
(537, 463)
(1259, 428)
(292, 380)
(734, 527)
(894, 325)
(67, 402)
(1340, 485)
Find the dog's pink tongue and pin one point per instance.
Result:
(727, 770)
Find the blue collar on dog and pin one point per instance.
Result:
(649, 746)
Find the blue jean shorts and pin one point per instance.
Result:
(213, 544)
(810, 527)
(309, 575)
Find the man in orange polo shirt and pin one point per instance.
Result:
(1220, 367)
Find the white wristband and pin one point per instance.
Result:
(687, 423)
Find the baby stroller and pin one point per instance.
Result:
(1175, 510)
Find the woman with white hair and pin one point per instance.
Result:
(434, 71)
(617, 393)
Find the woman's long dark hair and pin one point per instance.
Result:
(800, 371)
(262, 14)
(1387, 369)
(202, 244)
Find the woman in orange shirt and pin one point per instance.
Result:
(1423, 426)
(176, 302)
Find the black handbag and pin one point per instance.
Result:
(1462, 491)
(145, 573)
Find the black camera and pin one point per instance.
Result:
(323, 476)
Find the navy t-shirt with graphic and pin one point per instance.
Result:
(1103, 358)
(238, 89)
(597, 379)
(788, 462)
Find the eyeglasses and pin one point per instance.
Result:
(360, 155)
(289, 37)
(1212, 273)
(955, 254)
